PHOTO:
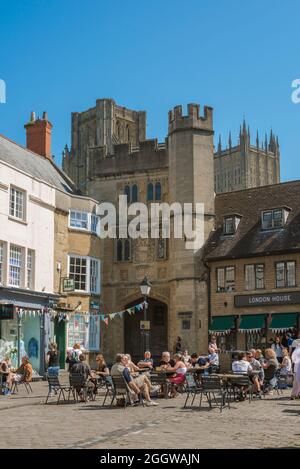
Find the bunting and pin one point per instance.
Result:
(105, 317)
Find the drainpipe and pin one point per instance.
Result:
(208, 292)
(19, 323)
(42, 342)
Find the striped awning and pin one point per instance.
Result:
(281, 322)
(222, 324)
(252, 323)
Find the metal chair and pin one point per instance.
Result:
(16, 384)
(161, 380)
(243, 384)
(212, 388)
(120, 389)
(109, 389)
(191, 388)
(79, 383)
(54, 383)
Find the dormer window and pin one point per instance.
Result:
(273, 219)
(230, 224)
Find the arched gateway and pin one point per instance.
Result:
(157, 314)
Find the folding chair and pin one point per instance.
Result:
(212, 388)
(16, 384)
(242, 381)
(191, 388)
(54, 383)
(120, 389)
(79, 383)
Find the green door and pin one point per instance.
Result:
(60, 334)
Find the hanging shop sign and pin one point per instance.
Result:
(68, 284)
(6, 311)
(267, 299)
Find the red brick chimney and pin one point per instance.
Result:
(38, 135)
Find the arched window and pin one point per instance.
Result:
(134, 193)
(126, 250)
(119, 250)
(150, 192)
(123, 250)
(157, 191)
(127, 134)
(118, 129)
(127, 192)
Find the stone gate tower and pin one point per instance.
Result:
(191, 180)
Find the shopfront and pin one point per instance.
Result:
(25, 327)
(246, 331)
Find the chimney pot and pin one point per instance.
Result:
(38, 135)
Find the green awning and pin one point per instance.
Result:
(283, 321)
(252, 323)
(222, 324)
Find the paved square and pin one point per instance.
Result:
(272, 422)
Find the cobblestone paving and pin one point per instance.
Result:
(273, 422)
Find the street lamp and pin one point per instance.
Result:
(145, 288)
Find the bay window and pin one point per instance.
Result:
(84, 221)
(85, 272)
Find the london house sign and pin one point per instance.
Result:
(267, 299)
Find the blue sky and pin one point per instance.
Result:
(239, 57)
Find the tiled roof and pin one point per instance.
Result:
(250, 240)
(36, 165)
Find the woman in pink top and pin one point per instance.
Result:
(180, 370)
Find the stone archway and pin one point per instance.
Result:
(157, 314)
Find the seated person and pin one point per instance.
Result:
(213, 360)
(166, 360)
(186, 357)
(24, 372)
(256, 366)
(102, 369)
(133, 368)
(213, 343)
(286, 365)
(241, 365)
(5, 370)
(180, 371)
(193, 361)
(136, 385)
(147, 362)
(270, 367)
(84, 369)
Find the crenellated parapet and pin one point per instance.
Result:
(193, 119)
(127, 159)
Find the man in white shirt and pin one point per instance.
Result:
(241, 365)
(213, 360)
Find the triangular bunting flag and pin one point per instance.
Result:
(106, 321)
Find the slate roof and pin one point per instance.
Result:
(249, 239)
(36, 165)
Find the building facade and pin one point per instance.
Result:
(254, 257)
(50, 269)
(179, 170)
